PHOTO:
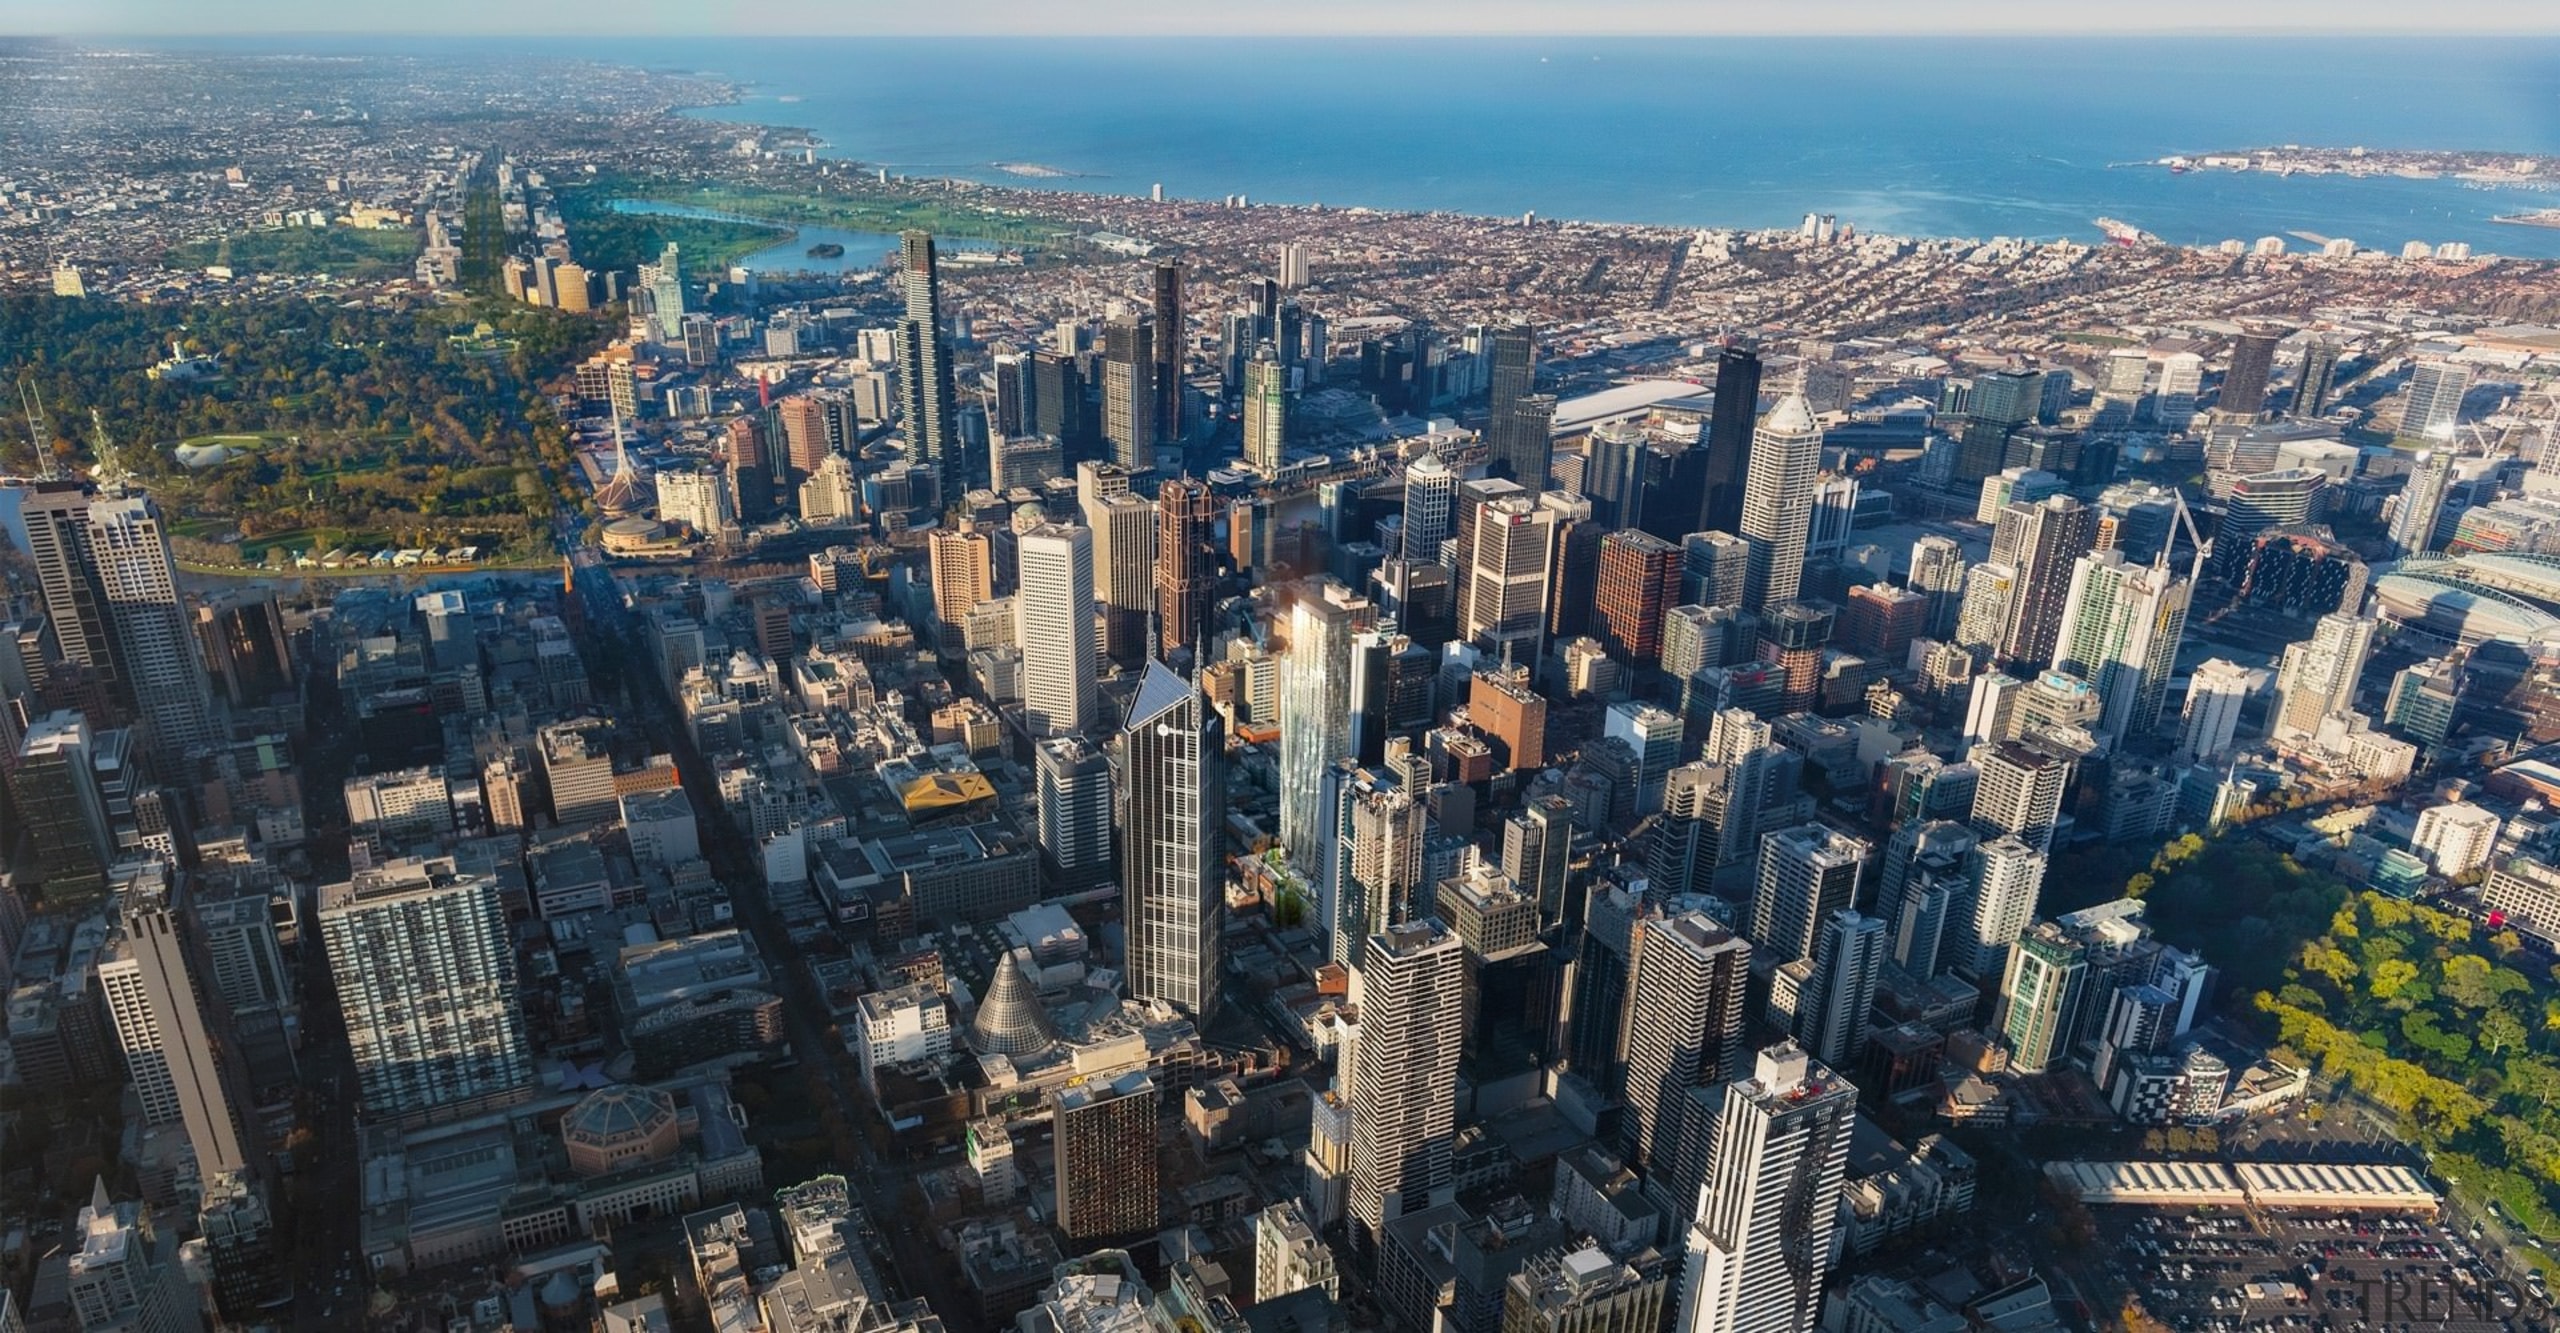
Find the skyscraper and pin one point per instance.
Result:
(2120, 632)
(1507, 571)
(925, 395)
(1937, 573)
(2040, 995)
(1807, 872)
(425, 971)
(1839, 986)
(2216, 691)
(2435, 400)
(1402, 1077)
(1075, 809)
(62, 834)
(1106, 1157)
(1266, 411)
(2244, 385)
(2008, 878)
(964, 575)
(126, 545)
(1053, 625)
(125, 1276)
(56, 514)
(1682, 1029)
(1430, 507)
(1518, 444)
(163, 1005)
(2040, 541)
(1171, 341)
(1186, 565)
(2312, 388)
(1761, 1244)
(1639, 582)
(1174, 875)
(1129, 398)
(2002, 401)
(1715, 569)
(2318, 676)
(1125, 559)
(1315, 709)
(2019, 791)
(1728, 442)
(1777, 502)
(2420, 507)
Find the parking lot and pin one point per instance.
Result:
(2227, 1272)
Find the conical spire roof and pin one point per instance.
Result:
(1010, 1020)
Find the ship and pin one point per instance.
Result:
(826, 250)
(2125, 233)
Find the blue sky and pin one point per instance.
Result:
(1216, 17)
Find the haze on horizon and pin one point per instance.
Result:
(670, 18)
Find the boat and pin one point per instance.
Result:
(826, 250)
(2125, 233)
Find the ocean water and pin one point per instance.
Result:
(1944, 136)
(1937, 137)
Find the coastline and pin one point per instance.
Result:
(1032, 190)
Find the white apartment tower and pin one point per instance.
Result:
(1402, 1081)
(1761, 1243)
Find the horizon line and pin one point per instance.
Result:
(2436, 33)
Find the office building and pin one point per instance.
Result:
(2041, 992)
(1777, 503)
(925, 395)
(1807, 872)
(1730, 422)
(157, 994)
(1266, 411)
(1105, 1142)
(1125, 559)
(1173, 758)
(1760, 1247)
(1430, 507)
(125, 1276)
(1315, 709)
(1129, 396)
(1075, 809)
(1053, 626)
(425, 972)
(62, 839)
(1715, 569)
(2173, 394)
(2120, 631)
(2000, 403)
(1289, 1256)
(1186, 566)
(1402, 1077)
(1519, 439)
(1507, 570)
(1639, 581)
(1171, 341)
(962, 559)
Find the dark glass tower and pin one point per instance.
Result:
(1516, 447)
(2319, 377)
(924, 370)
(2244, 386)
(1169, 347)
(1729, 426)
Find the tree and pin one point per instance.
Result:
(2499, 1031)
